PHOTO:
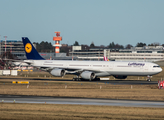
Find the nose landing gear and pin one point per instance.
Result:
(148, 78)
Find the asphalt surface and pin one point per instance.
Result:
(130, 82)
(114, 82)
(79, 101)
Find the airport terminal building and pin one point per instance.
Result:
(146, 53)
(16, 48)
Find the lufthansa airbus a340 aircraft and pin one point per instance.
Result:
(89, 70)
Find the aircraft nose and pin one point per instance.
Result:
(160, 70)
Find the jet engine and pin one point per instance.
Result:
(88, 75)
(120, 76)
(58, 72)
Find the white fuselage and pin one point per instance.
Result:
(102, 68)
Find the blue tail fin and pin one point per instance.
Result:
(30, 51)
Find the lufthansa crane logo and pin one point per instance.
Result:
(28, 48)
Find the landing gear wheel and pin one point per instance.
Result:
(76, 79)
(97, 79)
(148, 80)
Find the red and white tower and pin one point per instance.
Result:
(57, 40)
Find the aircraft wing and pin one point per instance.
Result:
(70, 70)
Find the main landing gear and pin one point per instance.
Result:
(78, 78)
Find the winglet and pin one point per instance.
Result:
(30, 51)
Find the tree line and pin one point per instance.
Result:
(44, 47)
(112, 45)
(48, 47)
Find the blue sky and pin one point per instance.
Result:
(99, 21)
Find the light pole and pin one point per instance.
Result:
(5, 46)
(0, 45)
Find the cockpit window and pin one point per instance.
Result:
(156, 66)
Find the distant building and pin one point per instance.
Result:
(147, 53)
(91, 54)
(14, 46)
(17, 49)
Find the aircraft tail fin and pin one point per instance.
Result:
(106, 59)
(30, 50)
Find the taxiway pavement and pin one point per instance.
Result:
(114, 82)
(79, 101)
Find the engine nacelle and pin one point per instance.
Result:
(58, 72)
(88, 75)
(120, 76)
